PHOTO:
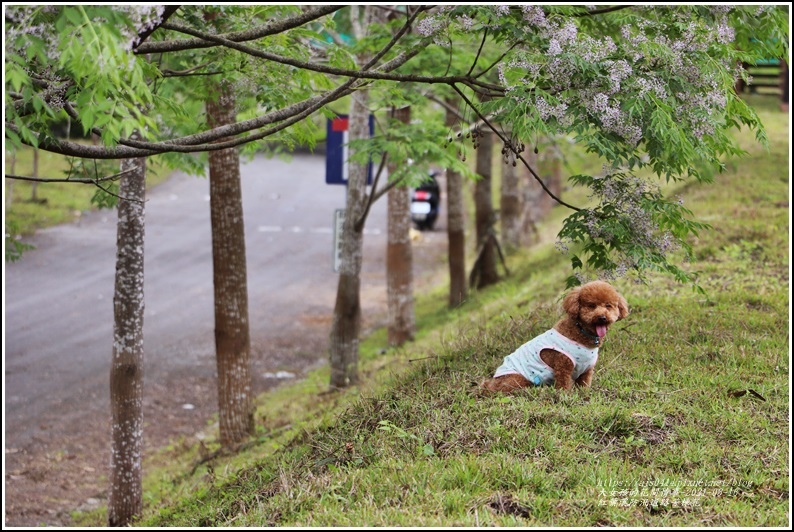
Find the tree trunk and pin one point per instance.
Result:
(34, 186)
(126, 373)
(552, 171)
(536, 202)
(346, 324)
(484, 270)
(456, 228)
(510, 205)
(399, 258)
(545, 169)
(9, 183)
(232, 338)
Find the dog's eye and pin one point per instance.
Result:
(609, 305)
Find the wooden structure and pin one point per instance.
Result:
(767, 78)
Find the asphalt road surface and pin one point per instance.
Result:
(58, 308)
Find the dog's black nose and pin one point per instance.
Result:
(601, 319)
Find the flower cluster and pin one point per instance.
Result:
(618, 71)
(546, 111)
(720, 10)
(25, 22)
(465, 22)
(651, 83)
(607, 112)
(624, 220)
(142, 17)
(633, 197)
(430, 25)
(594, 50)
(595, 78)
(564, 36)
(725, 33)
(535, 16)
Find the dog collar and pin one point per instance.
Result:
(594, 337)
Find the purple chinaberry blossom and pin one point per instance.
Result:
(429, 26)
(612, 118)
(535, 16)
(725, 33)
(653, 85)
(143, 17)
(546, 111)
(466, 22)
(720, 10)
(618, 71)
(554, 47)
(595, 50)
(561, 246)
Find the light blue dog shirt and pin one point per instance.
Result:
(526, 359)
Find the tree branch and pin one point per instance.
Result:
(200, 142)
(106, 191)
(167, 12)
(176, 73)
(446, 106)
(601, 11)
(206, 141)
(499, 59)
(363, 73)
(240, 36)
(79, 180)
(363, 218)
(517, 154)
(390, 185)
(479, 51)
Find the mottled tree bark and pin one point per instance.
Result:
(9, 188)
(456, 228)
(232, 337)
(346, 324)
(399, 258)
(126, 372)
(484, 270)
(34, 187)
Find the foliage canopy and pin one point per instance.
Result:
(647, 89)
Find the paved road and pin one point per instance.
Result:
(58, 330)
(59, 297)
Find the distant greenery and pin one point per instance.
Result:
(690, 394)
(38, 205)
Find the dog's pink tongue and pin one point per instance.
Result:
(601, 330)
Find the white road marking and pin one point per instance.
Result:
(313, 230)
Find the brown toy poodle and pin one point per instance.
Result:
(567, 353)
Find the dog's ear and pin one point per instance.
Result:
(571, 302)
(623, 307)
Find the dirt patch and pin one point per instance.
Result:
(506, 505)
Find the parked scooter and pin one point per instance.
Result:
(425, 200)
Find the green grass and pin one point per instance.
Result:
(38, 205)
(687, 422)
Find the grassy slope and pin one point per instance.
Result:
(418, 446)
(55, 203)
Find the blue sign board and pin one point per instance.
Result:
(336, 150)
